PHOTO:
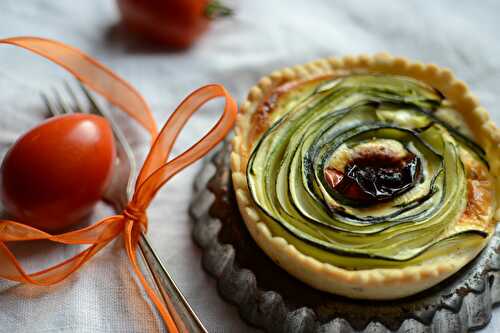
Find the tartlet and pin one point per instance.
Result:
(367, 177)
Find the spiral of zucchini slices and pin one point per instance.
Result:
(365, 182)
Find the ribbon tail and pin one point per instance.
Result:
(131, 241)
(97, 235)
(12, 269)
(94, 74)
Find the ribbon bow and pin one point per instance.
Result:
(155, 172)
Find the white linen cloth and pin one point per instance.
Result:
(262, 36)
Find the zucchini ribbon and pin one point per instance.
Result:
(361, 173)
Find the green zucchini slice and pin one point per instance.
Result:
(364, 174)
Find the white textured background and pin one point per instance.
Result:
(262, 36)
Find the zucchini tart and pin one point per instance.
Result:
(367, 177)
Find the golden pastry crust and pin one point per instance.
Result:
(379, 283)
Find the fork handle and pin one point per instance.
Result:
(182, 313)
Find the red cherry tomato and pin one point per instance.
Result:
(173, 23)
(53, 175)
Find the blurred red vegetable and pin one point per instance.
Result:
(172, 23)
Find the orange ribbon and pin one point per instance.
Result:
(155, 172)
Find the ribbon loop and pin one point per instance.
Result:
(156, 169)
(155, 172)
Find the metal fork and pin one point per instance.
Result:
(118, 194)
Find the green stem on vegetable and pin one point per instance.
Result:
(217, 9)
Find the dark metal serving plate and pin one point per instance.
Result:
(271, 299)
